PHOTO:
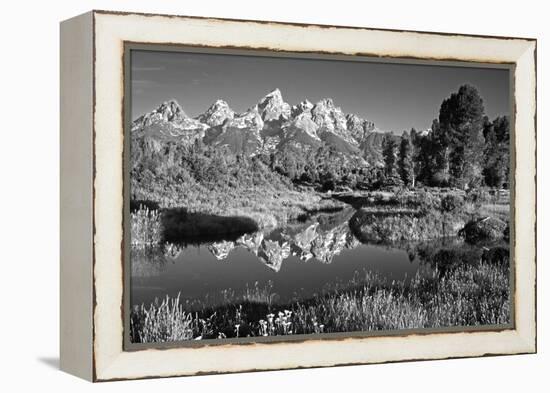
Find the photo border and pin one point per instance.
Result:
(173, 48)
(111, 30)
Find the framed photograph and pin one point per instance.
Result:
(246, 195)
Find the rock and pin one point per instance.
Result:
(217, 114)
(168, 111)
(252, 242)
(169, 121)
(302, 107)
(358, 127)
(249, 120)
(273, 253)
(301, 124)
(272, 106)
(483, 229)
(329, 244)
(266, 128)
(221, 250)
(240, 133)
(331, 119)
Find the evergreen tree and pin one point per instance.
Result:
(426, 155)
(412, 144)
(405, 162)
(437, 156)
(496, 155)
(388, 152)
(460, 136)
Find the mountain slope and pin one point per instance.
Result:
(217, 114)
(169, 122)
(266, 128)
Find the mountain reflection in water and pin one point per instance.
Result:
(298, 261)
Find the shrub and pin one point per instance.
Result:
(427, 202)
(394, 228)
(484, 229)
(478, 196)
(452, 202)
(329, 185)
(440, 179)
(506, 233)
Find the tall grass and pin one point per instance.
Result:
(161, 322)
(146, 227)
(465, 295)
(260, 294)
(423, 215)
(394, 227)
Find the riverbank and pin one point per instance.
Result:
(414, 216)
(381, 217)
(227, 216)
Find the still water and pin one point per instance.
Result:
(296, 262)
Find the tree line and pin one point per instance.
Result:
(464, 148)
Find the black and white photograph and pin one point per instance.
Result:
(276, 196)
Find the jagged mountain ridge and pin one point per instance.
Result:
(266, 127)
(311, 240)
(169, 121)
(320, 238)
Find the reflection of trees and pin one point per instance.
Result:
(449, 254)
(320, 237)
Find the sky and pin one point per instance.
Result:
(395, 97)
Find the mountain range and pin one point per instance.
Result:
(321, 239)
(267, 127)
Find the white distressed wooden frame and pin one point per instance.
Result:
(92, 195)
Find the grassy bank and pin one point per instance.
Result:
(421, 215)
(222, 218)
(391, 227)
(464, 294)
